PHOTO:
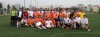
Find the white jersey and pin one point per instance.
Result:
(73, 21)
(48, 23)
(30, 13)
(20, 14)
(66, 20)
(84, 21)
(78, 19)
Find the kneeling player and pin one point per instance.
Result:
(67, 22)
(85, 24)
(73, 23)
(30, 21)
(24, 21)
(39, 25)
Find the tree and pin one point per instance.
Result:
(0, 5)
(8, 8)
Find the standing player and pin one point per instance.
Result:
(25, 13)
(13, 17)
(19, 17)
(61, 18)
(82, 14)
(85, 24)
(36, 13)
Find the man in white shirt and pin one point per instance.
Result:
(73, 22)
(48, 23)
(67, 22)
(30, 12)
(19, 17)
(85, 24)
(78, 21)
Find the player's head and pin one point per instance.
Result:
(84, 16)
(30, 17)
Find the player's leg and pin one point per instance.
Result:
(87, 27)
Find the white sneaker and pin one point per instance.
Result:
(88, 29)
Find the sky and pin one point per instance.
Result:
(43, 3)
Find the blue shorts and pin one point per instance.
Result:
(61, 19)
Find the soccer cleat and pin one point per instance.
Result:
(88, 29)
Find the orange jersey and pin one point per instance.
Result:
(30, 21)
(34, 20)
(40, 19)
(36, 14)
(48, 15)
(54, 15)
(61, 15)
(40, 14)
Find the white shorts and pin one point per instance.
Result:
(38, 24)
(83, 24)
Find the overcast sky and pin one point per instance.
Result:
(52, 2)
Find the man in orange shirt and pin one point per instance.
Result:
(30, 21)
(76, 14)
(48, 15)
(36, 13)
(61, 18)
(41, 14)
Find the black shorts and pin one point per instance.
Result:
(56, 20)
(13, 18)
(67, 25)
(77, 25)
(19, 18)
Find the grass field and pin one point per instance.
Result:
(7, 31)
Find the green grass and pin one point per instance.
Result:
(7, 31)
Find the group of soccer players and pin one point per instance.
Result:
(50, 18)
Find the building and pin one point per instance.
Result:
(95, 8)
(80, 6)
(17, 6)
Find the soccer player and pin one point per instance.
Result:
(31, 13)
(82, 14)
(48, 14)
(13, 17)
(24, 21)
(30, 21)
(41, 13)
(73, 22)
(61, 18)
(19, 17)
(85, 24)
(78, 21)
(48, 23)
(36, 13)
(25, 13)
(67, 22)
(39, 23)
